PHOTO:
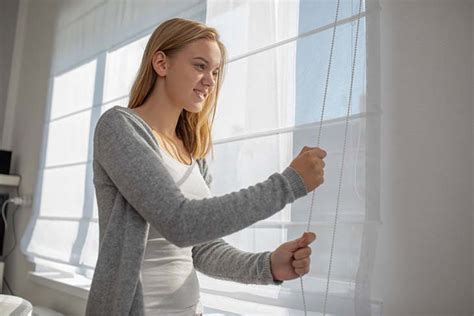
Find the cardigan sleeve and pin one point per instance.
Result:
(220, 260)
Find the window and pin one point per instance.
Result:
(269, 108)
(97, 50)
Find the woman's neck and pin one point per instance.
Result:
(161, 114)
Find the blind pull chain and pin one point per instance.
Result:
(343, 150)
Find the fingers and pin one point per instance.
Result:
(316, 156)
(302, 261)
(302, 253)
(320, 153)
(302, 266)
(301, 272)
(306, 239)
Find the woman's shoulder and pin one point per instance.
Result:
(120, 118)
(118, 122)
(116, 113)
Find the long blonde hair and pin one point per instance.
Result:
(194, 129)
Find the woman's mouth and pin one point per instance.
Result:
(200, 94)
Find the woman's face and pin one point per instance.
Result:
(192, 74)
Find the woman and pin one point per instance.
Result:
(158, 221)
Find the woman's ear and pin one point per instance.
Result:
(160, 63)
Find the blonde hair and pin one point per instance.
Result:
(194, 129)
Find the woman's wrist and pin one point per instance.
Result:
(275, 280)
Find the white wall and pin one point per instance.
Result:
(29, 105)
(8, 14)
(472, 179)
(425, 250)
(424, 256)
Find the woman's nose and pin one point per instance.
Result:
(209, 80)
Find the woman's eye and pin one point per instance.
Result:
(201, 66)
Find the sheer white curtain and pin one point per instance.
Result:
(269, 109)
(97, 50)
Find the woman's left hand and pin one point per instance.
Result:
(292, 258)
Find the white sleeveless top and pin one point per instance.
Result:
(170, 283)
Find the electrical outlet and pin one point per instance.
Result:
(24, 200)
(27, 200)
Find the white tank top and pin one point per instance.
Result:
(170, 283)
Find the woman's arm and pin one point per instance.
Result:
(220, 260)
(124, 150)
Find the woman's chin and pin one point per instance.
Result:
(195, 108)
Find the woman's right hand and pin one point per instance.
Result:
(309, 165)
